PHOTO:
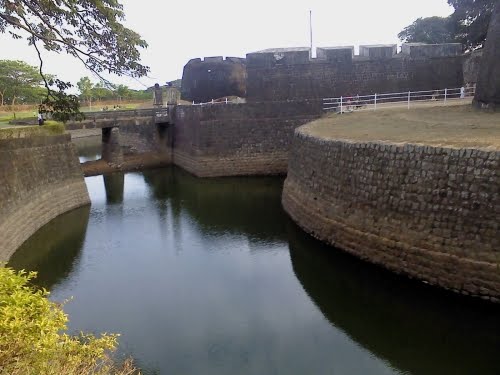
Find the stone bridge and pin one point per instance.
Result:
(111, 121)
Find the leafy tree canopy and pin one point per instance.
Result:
(89, 30)
(18, 80)
(430, 30)
(467, 25)
(471, 20)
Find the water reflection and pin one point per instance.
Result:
(89, 148)
(54, 249)
(114, 185)
(209, 276)
(418, 329)
(235, 205)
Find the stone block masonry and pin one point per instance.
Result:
(291, 75)
(431, 213)
(213, 78)
(238, 139)
(40, 179)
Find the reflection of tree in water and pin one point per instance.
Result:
(235, 205)
(417, 329)
(53, 250)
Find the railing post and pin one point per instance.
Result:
(445, 95)
(409, 96)
(341, 98)
(375, 101)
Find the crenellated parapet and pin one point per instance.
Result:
(291, 73)
(346, 54)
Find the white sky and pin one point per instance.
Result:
(180, 30)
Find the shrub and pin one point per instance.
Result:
(33, 338)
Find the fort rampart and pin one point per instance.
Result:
(286, 74)
(40, 179)
(428, 212)
(238, 139)
(213, 78)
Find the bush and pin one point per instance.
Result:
(33, 338)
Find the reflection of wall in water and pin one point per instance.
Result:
(54, 249)
(419, 330)
(114, 185)
(235, 205)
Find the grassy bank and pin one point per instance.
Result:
(451, 126)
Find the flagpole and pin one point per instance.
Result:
(311, 33)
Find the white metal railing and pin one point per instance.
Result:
(345, 104)
(226, 101)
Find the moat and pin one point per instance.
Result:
(210, 276)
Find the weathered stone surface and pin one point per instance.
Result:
(40, 178)
(488, 86)
(111, 147)
(426, 212)
(472, 63)
(271, 78)
(238, 139)
(213, 78)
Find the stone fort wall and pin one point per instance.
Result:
(238, 139)
(290, 74)
(427, 212)
(40, 179)
(213, 78)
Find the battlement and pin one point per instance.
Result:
(431, 50)
(213, 77)
(378, 51)
(345, 54)
(218, 59)
(335, 54)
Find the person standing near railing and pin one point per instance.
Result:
(462, 92)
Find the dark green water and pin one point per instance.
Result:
(211, 277)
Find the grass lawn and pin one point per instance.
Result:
(452, 126)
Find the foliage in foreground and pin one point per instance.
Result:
(90, 31)
(33, 338)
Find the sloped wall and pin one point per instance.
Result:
(40, 178)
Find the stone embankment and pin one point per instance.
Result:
(428, 212)
(40, 179)
(238, 139)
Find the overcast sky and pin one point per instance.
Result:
(181, 30)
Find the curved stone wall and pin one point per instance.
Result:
(431, 213)
(40, 178)
(213, 78)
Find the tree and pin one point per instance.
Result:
(432, 30)
(467, 25)
(488, 83)
(90, 31)
(470, 21)
(122, 91)
(18, 80)
(85, 86)
(100, 91)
